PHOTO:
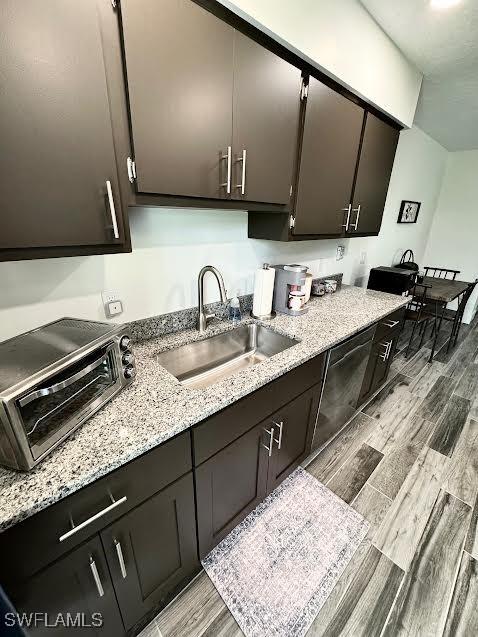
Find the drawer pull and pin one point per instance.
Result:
(96, 577)
(271, 440)
(279, 440)
(93, 518)
(391, 323)
(119, 553)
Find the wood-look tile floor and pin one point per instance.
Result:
(409, 464)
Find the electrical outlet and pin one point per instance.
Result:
(112, 303)
(363, 258)
(340, 253)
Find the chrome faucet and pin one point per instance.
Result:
(203, 318)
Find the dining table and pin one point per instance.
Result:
(442, 291)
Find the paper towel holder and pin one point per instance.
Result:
(264, 317)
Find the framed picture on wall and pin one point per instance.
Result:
(409, 211)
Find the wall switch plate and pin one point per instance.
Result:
(363, 258)
(112, 303)
(340, 253)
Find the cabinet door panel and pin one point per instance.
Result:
(265, 122)
(229, 485)
(157, 542)
(331, 138)
(297, 420)
(55, 127)
(180, 74)
(373, 176)
(68, 587)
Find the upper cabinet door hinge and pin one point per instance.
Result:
(292, 222)
(115, 3)
(304, 90)
(131, 167)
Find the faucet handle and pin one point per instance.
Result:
(211, 315)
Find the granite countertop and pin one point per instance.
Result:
(156, 407)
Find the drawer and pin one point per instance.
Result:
(219, 430)
(390, 324)
(34, 543)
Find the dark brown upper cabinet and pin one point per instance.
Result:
(330, 146)
(59, 183)
(379, 144)
(179, 61)
(213, 114)
(265, 123)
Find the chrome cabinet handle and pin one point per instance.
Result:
(388, 347)
(242, 185)
(279, 440)
(228, 156)
(271, 440)
(119, 553)
(357, 210)
(93, 518)
(112, 209)
(348, 210)
(96, 577)
(391, 323)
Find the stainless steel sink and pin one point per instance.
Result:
(205, 362)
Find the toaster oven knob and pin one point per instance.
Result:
(124, 342)
(129, 372)
(128, 358)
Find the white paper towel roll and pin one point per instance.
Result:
(263, 290)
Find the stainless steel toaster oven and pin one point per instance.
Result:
(54, 378)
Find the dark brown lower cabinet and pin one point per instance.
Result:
(236, 479)
(152, 550)
(74, 591)
(296, 421)
(381, 357)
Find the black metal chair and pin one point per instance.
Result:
(417, 311)
(456, 316)
(441, 273)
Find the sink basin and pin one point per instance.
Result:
(205, 362)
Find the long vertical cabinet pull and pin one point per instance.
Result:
(96, 577)
(348, 210)
(111, 202)
(271, 440)
(242, 185)
(281, 427)
(228, 158)
(119, 553)
(357, 210)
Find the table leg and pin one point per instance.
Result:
(438, 322)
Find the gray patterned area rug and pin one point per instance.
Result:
(276, 569)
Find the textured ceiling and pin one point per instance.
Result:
(443, 44)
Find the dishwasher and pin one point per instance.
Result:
(345, 371)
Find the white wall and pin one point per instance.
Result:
(170, 246)
(453, 241)
(341, 38)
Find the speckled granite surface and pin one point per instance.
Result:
(156, 407)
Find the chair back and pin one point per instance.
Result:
(441, 273)
(418, 294)
(465, 298)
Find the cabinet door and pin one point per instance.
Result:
(373, 175)
(152, 550)
(77, 588)
(55, 128)
(179, 61)
(330, 145)
(230, 485)
(265, 122)
(378, 367)
(293, 430)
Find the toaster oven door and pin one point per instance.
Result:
(54, 408)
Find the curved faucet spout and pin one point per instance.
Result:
(202, 316)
